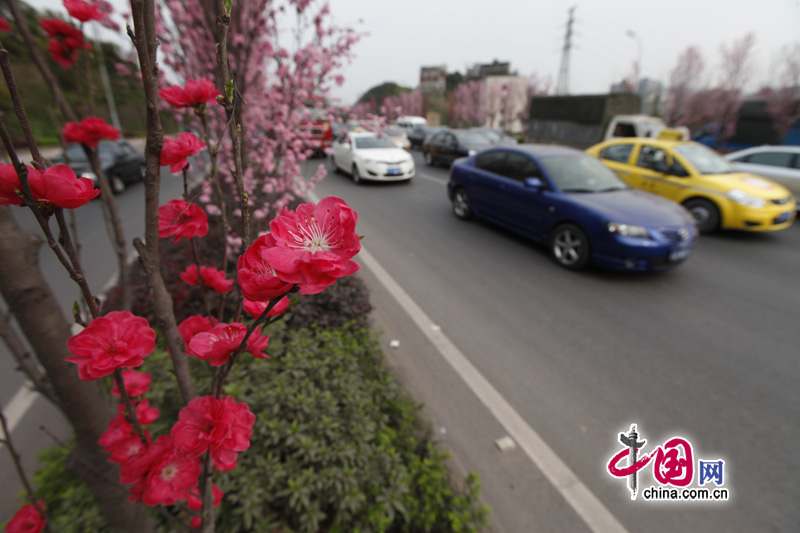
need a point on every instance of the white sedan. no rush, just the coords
(778, 163)
(367, 156)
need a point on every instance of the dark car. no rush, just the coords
(416, 135)
(571, 202)
(122, 163)
(497, 137)
(446, 146)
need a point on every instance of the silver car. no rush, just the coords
(778, 163)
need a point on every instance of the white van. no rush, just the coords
(408, 122)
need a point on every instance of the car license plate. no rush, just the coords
(783, 217)
(679, 254)
(394, 172)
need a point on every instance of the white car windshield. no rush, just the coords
(373, 142)
(705, 160)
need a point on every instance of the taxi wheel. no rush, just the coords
(569, 247)
(429, 159)
(705, 214)
(333, 166)
(356, 175)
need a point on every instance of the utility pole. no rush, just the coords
(563, 74)
(112, 105)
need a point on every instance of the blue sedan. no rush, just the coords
(575, 205)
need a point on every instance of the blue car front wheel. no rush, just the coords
(461, 204)
(569, 247)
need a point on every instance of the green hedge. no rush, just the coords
(337, 445)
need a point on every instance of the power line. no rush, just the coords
(563, 74)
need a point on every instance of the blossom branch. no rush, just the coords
(126, 400)
(50, 80)
(19, 110)
(15, 458)
(75, 272)
(223, 374)
(87, 65)
(144, 41)
(213, 150)
(207, 495)
(116, 235)
(229, 100)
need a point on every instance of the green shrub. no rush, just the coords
(71, 508)
(337, 445)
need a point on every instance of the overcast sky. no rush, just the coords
(405, 35)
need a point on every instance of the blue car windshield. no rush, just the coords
(580, 173)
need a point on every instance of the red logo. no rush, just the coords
(672, 462)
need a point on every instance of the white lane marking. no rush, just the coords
(19, 405)
(585, 504)
(428, 177)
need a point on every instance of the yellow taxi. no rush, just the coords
(716, 193)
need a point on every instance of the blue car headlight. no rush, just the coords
(627, 230)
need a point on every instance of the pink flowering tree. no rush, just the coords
(469, 108)
(783, 101)
(684, 82)
(736, 69)
(244, 91)
(283, 79)
(405, 103)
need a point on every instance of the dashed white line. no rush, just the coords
(19, 405)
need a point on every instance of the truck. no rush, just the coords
(584, 120)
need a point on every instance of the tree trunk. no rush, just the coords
(34, 305)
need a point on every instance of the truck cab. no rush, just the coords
(634, 126)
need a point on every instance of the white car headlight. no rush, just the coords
(472, 152)
(743, 198)
(627, 230)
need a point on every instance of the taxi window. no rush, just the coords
(620, 153)
(652, 158)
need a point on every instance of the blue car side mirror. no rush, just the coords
(534, 183)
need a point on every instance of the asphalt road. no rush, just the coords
(707, 352)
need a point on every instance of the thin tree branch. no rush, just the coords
(143, 36)
(25, 360)
(15, 458)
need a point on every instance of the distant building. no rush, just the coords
(495, 68)
(651, 92)
(432, 80)
(506, 98)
